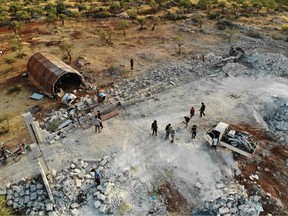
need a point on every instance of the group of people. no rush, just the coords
(171, 131)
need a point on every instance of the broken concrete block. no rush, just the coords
(100, 188)
(2, 191)
(75, 205)
(85, 165)
(223, 210)
(101, 197)
(103, 162)
(78, 183)
(33, 196)
(49, 207)
(26, 199)
(97, 204)
(16, 189)
(198, 185)
(33, 188)
(53, 172)
(9, 202)
(80, 164)
(220, 186)
(103, 208)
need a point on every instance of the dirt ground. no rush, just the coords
(135, 147)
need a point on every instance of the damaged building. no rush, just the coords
(49, 74)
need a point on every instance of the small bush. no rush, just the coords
(213, 16)
(3, 209)
(253, 34)
(284, 28)
(15, 89)
(224, 23)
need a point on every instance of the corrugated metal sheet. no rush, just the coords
(45, 69)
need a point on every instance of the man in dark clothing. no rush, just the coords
(192, 112)
(154, 128)
(97, 178)
(99, 115)
(131, 64)
(202, 109)
(167, 129)
(193, 131)
(187, 119)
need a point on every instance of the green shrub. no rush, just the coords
(213, 16)
(225, 23)
(284, 28)
(3, 209)
(253, 34)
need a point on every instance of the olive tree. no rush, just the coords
(67, 48)
(123, 24)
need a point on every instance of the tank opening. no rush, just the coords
(68, 82)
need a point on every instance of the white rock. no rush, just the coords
(85, 165)
(103, 162)
(101, 197)
(75, 212)
(75, 205)
(198, 185)
(27, 192)
(9, 202)
(8, 185)
(97, 204)
(220, 186)
(2, 191)
(77, 171)
(112, 179)
(72, 166)
(53, 172)
(100, 188)
(49, 207)
(238, 173)
(52, 213)
(80, 164)
(78, 183)
(103, 208)
(223, 210)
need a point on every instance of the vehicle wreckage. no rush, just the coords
(237, 141)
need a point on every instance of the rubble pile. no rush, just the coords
(30, 196)
(74, 190)
(234, 201)
(279, 120)
(57, 119)
(269, 63)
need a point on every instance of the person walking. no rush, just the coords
(202, 109)
(96, 121)
(101, 97)
(172, 131)
(193, 131)
(187, 119)
(154, 128)
(131, 63)
(99, 116)
(192, 112)
(96, 176)
(167, 129)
